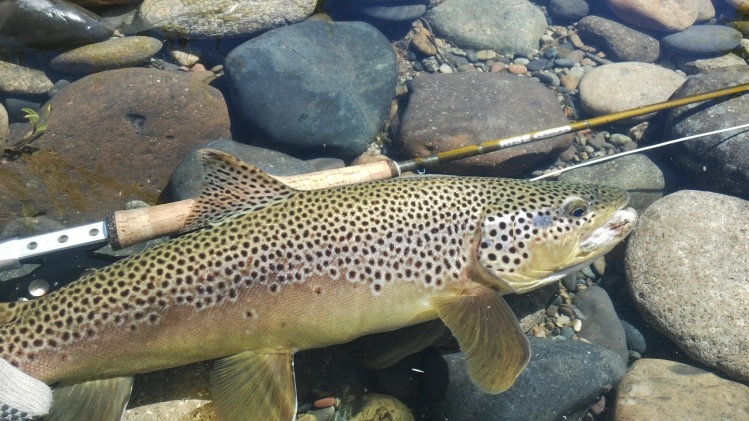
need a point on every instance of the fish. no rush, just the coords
(267, 270)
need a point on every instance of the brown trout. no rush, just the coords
(274, 270)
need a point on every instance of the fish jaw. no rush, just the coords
(611, 233)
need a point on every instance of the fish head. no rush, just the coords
(534, 233)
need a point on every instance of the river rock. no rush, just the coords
(48, 24)
(687, 263)
(622, 42)
(620, 86)
(450, 111)
(653, 388)
(316, 85)
(703, 40)
(476, 24)
(719, 162)
(112, 137)
(15, 79)
(187, 182)
(637, 174)
(221, 18)
(568, 10)
(659, 15)
(573, 372)
(706, 10)
(4, 131)
(111, 54)
(388, 10)
(601, 325)
(691, 65)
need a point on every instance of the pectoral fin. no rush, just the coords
(495, 348)
(254, 386)
(93, 400)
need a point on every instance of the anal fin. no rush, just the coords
(254, 386)
(103, 400)
(495, 348)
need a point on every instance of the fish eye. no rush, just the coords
(574, 206)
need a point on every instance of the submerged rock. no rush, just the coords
(687, 264)
(111, 54)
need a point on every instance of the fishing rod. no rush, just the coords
(127, 227)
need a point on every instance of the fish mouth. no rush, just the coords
(611, 232)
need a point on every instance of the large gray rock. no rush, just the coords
(620, 86)
(718, 162)
(636, 173)
(221, 18)
(561, 379)
(653, 388)
(455, 110)
(622, 42)
(505, 26)
(315, 85)
(688, 269)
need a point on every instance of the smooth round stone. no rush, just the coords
(15, 79)
(658, 15)
(568, 10)
(602, 325)
(445, 68)
(621, 86)
(622, 42)
(484, 55)
(476, 24)
(517, 69)
(221, 18)
(422, 44)
(703, 40)
(537, 64)
(700, 236)
(49, 24)
(563, 63)
(112, 54)
(334, 81)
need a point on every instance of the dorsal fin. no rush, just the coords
(232, 187)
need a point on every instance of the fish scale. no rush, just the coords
(276, 270)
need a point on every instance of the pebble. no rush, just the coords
(476, 25)
(422, 44)
(703, 40)
(701, 317)
(619, 139)
(568, 10)
(563, 63)
(324, 402)
(484, 55)
(517, 69)
(497, 67)
(445, 68)
(537, 65)
(115, 53)
(15, 79)
(221, 18)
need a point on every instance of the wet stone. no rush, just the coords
(575, 373)
(622, 42)
(112, 54)
(703, 40)
(601, 325)
(467, 120)
(55, 23)
(663, 15)
(15, 79)
(568, 10)
(349, 107)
